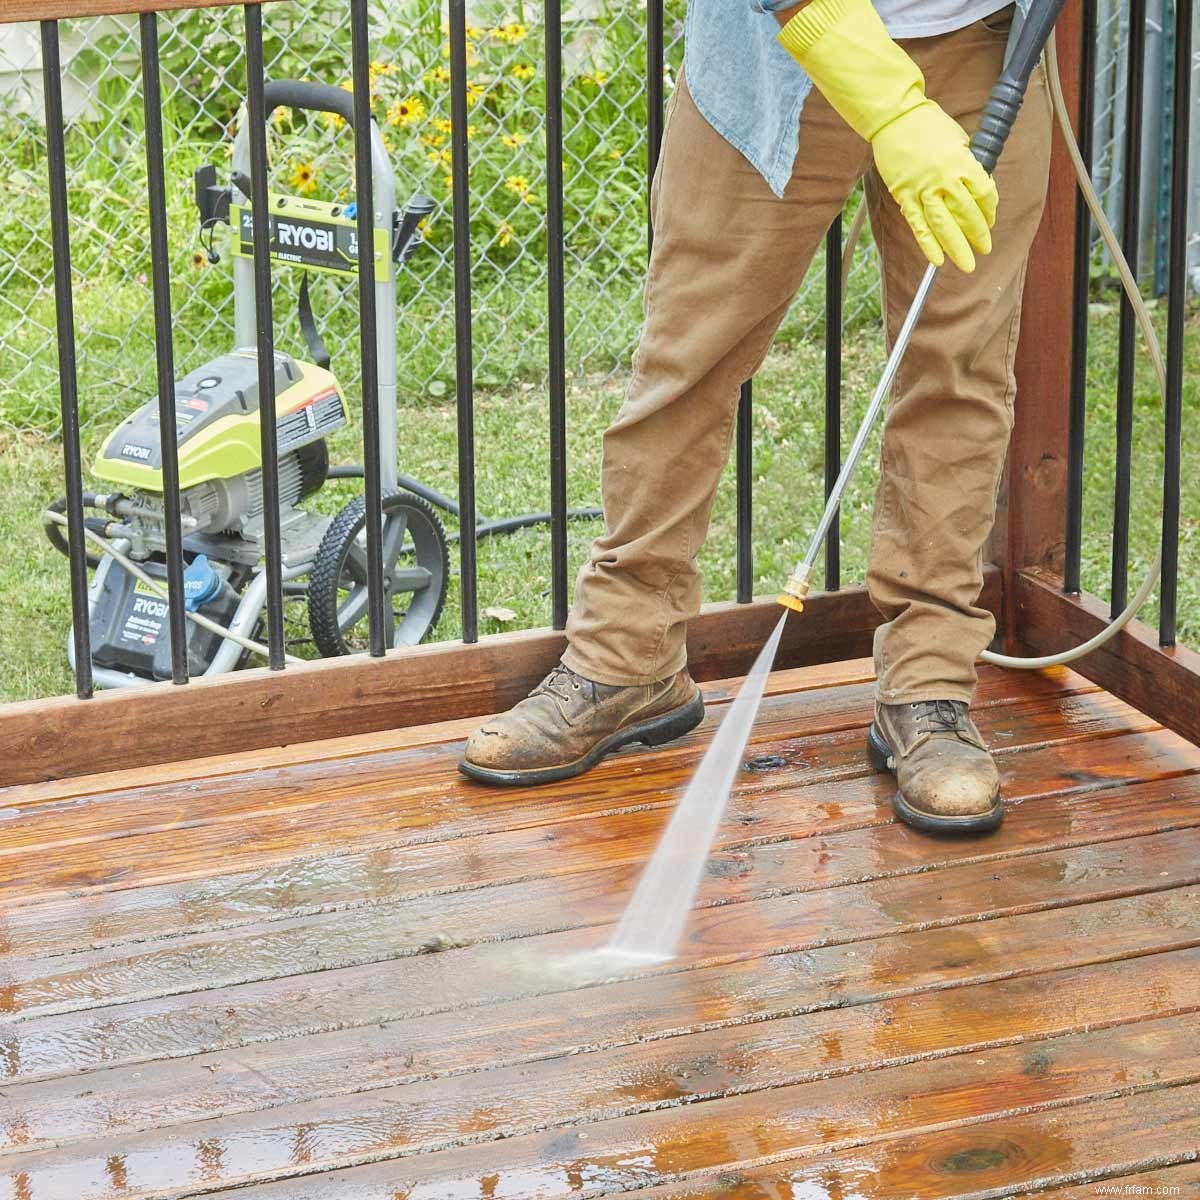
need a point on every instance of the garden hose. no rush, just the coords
(200, 619)
(1142, 315)
(798, 585)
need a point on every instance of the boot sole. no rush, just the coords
(654, 732)
(880, 754)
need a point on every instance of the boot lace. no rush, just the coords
(561, 682)
(938, 716)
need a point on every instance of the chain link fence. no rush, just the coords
(203, 78)
(605, 156)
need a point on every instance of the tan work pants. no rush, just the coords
(728, 258)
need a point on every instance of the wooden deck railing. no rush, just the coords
(1031, 548)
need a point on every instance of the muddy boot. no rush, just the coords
(567, 724)
(947, 780)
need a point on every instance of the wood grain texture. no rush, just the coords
(822, 1043)
(127, 839)
(54, 739)
(716, 691)
(1036, 480)
(1035, 1154)
(1164, 683)
(57, 10)
(345, 975)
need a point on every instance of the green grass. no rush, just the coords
(513, 453)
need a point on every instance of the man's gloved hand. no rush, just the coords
(922, 155)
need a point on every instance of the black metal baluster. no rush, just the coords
(68, 386)
(833, 395)
(164, 354)
(264, 312)
(1125, 337)
(1077, 416)
(556, 300)
(745, 494)
(381, 621)
(463, 357)
(655, 61)
(1176, 314)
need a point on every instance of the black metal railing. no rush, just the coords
(377, 602)
(175, 554)
(1127, 346)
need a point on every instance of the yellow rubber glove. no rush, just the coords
(921, 153)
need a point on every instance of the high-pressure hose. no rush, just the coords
(798, 585)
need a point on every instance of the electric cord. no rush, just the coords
(137, 572)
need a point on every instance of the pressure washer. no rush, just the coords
(217, 428)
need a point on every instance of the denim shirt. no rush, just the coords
(747, 86)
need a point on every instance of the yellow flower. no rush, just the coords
(406, 111)
(474, 92)
(448, 180)
(382, 68)
(474, 33)
(615, 155)
(518, 184)
(428, 139)
(200, 261)
(304, 177)
(513, 140)
(523, 71)
(442, 126)
(504, 233)
(437, 75)
(472, 57)
(513, 32)
(388, 144)
(439, 157)
(598, 80)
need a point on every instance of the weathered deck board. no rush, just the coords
(421, 797)
(214, 981)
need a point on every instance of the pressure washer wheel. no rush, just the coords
(416, 566)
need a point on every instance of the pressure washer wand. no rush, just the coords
(995, 125)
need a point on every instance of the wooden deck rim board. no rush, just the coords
(51, 739)
(1163, 683)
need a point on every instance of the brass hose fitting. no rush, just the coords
(795, 591)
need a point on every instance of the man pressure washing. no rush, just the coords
(768, 132)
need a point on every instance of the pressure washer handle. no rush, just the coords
(1004, 103)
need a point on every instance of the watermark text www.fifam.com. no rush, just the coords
(1136, 1189)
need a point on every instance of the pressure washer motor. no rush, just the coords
(220, 498)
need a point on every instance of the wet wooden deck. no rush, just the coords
(325, 972)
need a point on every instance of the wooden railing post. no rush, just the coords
(1030, 530)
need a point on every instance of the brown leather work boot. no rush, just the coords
(567, 724)
(947, 780)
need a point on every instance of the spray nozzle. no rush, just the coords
(795, 591)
